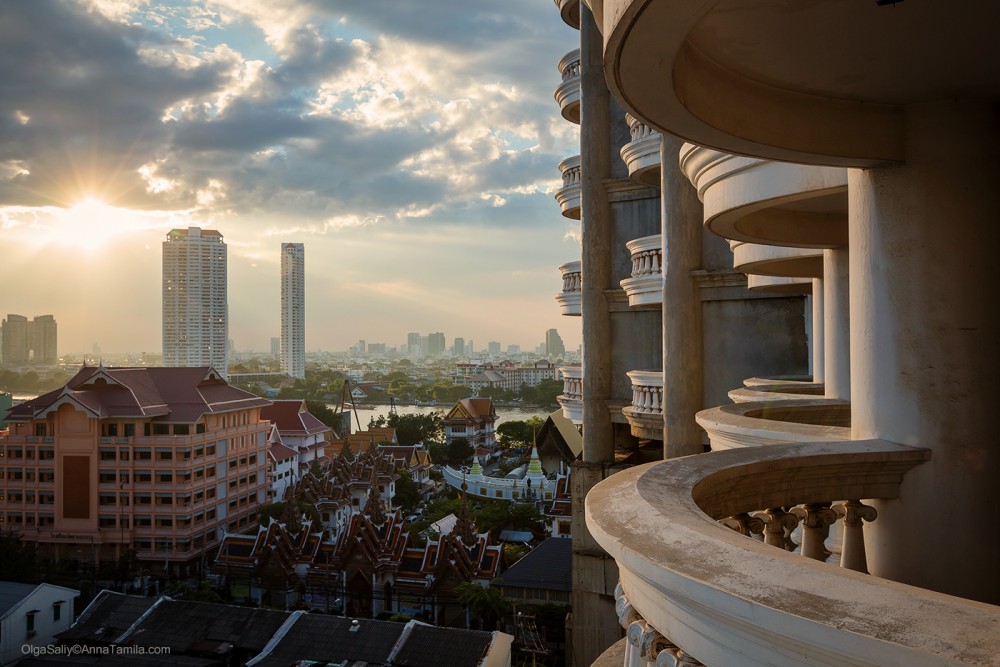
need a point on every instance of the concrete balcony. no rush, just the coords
(642, 154)
(696, 588)
(645, 287)
(568, 92)
(763, 423)
(568, 195)
(571, 400)
(645, 415)
(569, 10)
(571, 298)
(777, 261)
(777, 391)
(771, 203)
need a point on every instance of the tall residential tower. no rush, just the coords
(293, 309)
(195, 307)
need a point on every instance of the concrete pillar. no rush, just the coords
(818, 351)
(598, 238)
(837, 323)
(682, 315)
(924, 345)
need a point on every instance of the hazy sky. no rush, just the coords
(410, 144)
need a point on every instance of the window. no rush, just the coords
(143, 477)
(199, 428)
(129, 430)
(163, 454)
(161, 429)
(107, 476)
(107, 453)
(144, 454)
(30, 618)
(46, 454)
(41, 430)
(182, 429)
(111, 429)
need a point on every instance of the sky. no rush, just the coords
(411, 145)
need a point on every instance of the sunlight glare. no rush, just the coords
(91, 225)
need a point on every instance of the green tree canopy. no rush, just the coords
(325, 414)
(504, 515)
(413, 429)
(487, 603)
(407, 492)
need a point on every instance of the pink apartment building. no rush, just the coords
(162, 460)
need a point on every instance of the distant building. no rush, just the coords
(544, 576)
(293, 309)
(160, 460)
(31, 615)
(413, 345)
(513, 349)
(28, 341)
(554, 346)
(376, 348)
(493, 348)
(458, 348)
(293, 428)
(195, 306)
(435, 343)
(472, 419)
(276, 346)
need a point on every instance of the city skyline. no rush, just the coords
(391, 142)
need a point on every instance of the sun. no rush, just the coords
(91, 225)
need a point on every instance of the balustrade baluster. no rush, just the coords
(852, 553)
(816, 521)
(744, 524)
(778, 527)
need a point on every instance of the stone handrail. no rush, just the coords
(647, 255)
(572, 276)
(572, 381)
(638, 129)
(570, 169)
(726, 599)
(569, 66)
(647, 391)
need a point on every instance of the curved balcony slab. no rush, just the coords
(726, 599)
(759, 423)
(571, 298)
(821, 83)
(777, 379)
(645, 287)
(777, 392)
(779, 261)
(568, 195)
(773, 203)
(568, 92)
(642, 154)
(569, 10)
(773, 285)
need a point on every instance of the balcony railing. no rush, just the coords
(645, 414)
(642, 154)
(568, 195)
(568, 92)
(571, 399)
(571, 298)
(709, 595)
(645, 287)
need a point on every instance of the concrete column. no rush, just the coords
(837, 323)
(682, 317)
(598, 238)
(924, 345)
(818, 351)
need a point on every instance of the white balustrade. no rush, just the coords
(644, 287)
(571, 298)
(642, 154)
(647, 391)
(571, 399)
(568, 195)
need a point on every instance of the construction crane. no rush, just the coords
(526, 636)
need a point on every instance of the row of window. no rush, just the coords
(13, 497)
(28, 453)
(42, 475)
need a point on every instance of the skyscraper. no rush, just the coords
(435, 343)
(293, 309)
(554, 344)
(195, 306)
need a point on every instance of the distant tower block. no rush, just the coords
(195, 299)
(293, 309)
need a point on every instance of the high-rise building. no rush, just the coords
(841, 385)
(458, 348)
(275, 346)
(493, 348)
(195, 305)
(28, 341)
(293, 309)
(554, 346)
(435, 343)
(413, 345)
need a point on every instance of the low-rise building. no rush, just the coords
(473, 420)
(159, 460)
(31, 615)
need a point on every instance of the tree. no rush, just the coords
(519, 433)
(412, 429)
(275, 511)
(407, 492)
(544, 393)
(504, 515)
(459, 451)
(325, 414)
(487, 603)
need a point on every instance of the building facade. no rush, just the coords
(159, 460)
(24, 341)
(831, 166)
(195, 305)
(554, 346)
(293, 309)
